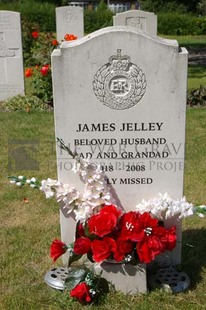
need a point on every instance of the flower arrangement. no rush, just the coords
(104, 231)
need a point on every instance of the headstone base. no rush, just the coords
(126, 278)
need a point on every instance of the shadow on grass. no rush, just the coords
(194, 254)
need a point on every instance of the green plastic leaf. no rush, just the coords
(74, 258)
(89, 256)
(75, 276)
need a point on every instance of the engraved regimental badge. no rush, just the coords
(119, 84)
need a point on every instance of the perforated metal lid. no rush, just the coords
(56, 277)
(169, 279)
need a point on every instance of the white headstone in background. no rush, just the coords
(141, 20)
(124, 108)
(69, 20)
(11, 59)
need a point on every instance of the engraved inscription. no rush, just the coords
(6, 22)
(137, 22)
(119, 84)
(70, 18)
(4, 51)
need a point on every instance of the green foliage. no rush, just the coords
(162, 6)
(24, 103)
(181, 24)
(39, 55)
(201, 8)
(197, 96)
(41, 49)
(94, 20)
(35, 12)
(42, 84)
(181, 6)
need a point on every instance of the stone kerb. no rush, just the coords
(125, 109)
(11, 58)
(69, 20)
(145, 21)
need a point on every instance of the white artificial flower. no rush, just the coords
(164, 207)
(32, 185)
(67, 194)
(12, 182)
(201, 215)
(18, 183)
(33, 179)
(46, 187)
(28, 181)
(83, 212)
(20, 177)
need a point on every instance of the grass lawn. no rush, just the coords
(27, 228)
(188, 41)
(196, 76)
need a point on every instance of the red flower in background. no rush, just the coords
(81, 292)
(44, 70)
(55, 42)
(28, 72)
(82, 245)
(69, 37)
(35, 34)
(57, 249)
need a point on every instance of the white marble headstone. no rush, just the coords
(124, 108)
(69, 20)
(11, 59)
(141, 20)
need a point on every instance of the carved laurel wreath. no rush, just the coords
(138, 86)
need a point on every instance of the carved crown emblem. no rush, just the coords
(119, 84)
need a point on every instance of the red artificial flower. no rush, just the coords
(81, 292)
(102, 224)
(69, 37)
(35, 34)
(148, 248)
(55, 42)
(111, 209)
(57, 248)
(28, 72)
(129, 226)
(103, 249)
(80, 230)
(153, 239)
(170, 238)
(82, 245)
(44, 70)
(124, 247)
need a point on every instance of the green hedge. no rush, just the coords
(94, 20)
(42, 14)
(181, 24)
